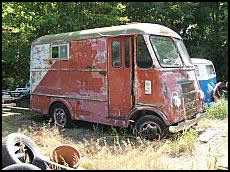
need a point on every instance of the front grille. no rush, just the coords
(189, 94)
(190, 104)
(187, 87)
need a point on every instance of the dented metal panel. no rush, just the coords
(39, 64)
(81, 78)
(166, 85)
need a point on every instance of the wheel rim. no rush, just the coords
(23, 152)
(150, 131)
(59, 117)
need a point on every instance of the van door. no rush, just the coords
(120, 76)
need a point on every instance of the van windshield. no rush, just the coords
(169, 51)
(166, 51)
(183, 52)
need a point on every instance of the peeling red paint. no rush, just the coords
(93, 90)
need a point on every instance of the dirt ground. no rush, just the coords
(214, 148)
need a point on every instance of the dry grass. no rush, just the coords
(120, 152)
(104, 148)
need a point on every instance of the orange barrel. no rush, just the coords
(66, 155)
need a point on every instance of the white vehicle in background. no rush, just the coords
(6, 96)
(206, 75)
(24, 91)
(20, 92)
(17, 94)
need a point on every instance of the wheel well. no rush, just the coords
(53, 104)
(137, 115)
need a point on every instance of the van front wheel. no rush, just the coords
(61, 116)
(150, 127)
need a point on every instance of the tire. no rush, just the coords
(219, 90)
(17, 149)
(61, 116)
(150, 127)
(21, 167)
(216, 94)
(44, 163)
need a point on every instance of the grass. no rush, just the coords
(218, 110)
(108, 148)
(184, 142)
(21, 119)
(117, 153)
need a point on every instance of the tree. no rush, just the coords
(23, 22)
(202, 25)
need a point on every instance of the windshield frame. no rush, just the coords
(157, 55)
(177, 50)
(186, 60)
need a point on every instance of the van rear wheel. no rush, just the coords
(150, 127)
(61, 116)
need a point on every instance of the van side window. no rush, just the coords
(143, 58)
(116, 54)
(210, 70)
(55, 52)
(197, 70)
(60, 51)
(127, 56)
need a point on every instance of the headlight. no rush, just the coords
(201, 94)
(176, 101)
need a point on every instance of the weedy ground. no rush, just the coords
(105, 147)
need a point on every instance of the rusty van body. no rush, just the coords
(129, 74)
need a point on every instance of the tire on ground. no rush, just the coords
(23, 166)
(44, 163)
(13, 144)
(150, 124)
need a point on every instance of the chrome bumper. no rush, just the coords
(186, 124)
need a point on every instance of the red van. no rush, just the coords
(129, 74)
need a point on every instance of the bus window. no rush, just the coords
(116, 54)
(210, 70)
(143, 57)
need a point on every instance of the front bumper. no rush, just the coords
(186, 124)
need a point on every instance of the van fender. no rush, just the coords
(153, 109)
(65, 102)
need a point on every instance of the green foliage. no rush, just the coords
(24, 22)
(184, 142)
(202, 25)
(218, 110)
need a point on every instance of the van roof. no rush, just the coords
(128, 29)
(200, 61)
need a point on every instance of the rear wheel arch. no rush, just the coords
(64, 102)
(60, 115)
